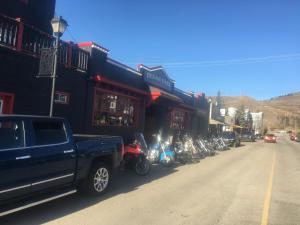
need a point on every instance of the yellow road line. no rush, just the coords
(267, 202)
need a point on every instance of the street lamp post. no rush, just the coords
(59, 26)
(210, 108)
(210, 113)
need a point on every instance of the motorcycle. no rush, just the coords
(135, 156)
(204, 147)
(161, 153)
(185, 150)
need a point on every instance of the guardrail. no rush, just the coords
(16, 35)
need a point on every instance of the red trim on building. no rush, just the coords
(100, 78)
(20, 35)
(156, 93)
(8, 102)
(85, 44)
(24, 1)
(90, 43)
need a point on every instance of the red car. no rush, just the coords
(270, 138)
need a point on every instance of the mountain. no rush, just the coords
(281, 112)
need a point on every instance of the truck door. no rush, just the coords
(53, 155)
(15, 160)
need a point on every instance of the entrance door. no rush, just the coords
(156, 121)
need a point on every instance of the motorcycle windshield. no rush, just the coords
(139, 137)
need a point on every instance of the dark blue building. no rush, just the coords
(97, 94)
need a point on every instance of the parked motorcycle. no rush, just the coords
(161, 152)
(219, 144)
(205, 147)
(135, 156)
(185, 150)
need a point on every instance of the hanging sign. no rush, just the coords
(157, 77)
(46, 62)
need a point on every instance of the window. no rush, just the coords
(177, 119)
(47, 133)
(61, 97)
(11, 135)
(111, 109)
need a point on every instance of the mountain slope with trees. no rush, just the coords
(281, 112)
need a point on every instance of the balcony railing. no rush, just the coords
(8, 31)
(18, 36)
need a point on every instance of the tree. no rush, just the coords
(241, 117)
(219, 104)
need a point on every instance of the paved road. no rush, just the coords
(254, 184)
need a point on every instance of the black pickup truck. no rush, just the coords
(41, 160)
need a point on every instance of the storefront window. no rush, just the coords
(111, 109)
(177, 119)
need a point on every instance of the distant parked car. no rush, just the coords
(248, 136)
(231, 138)
(297, 137)
(292, 136)
(259, 136)
(270, 138)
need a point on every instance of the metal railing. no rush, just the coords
(34, 40)
(79, 58)
(18, 36)
(8, 31)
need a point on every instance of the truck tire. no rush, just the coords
(98, 179)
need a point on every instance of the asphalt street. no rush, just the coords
(256, 184)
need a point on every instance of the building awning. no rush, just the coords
(158, 93)
(215, 122)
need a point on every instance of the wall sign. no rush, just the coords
(46, 62)
(157, 77)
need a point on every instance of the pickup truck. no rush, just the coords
(41, 160)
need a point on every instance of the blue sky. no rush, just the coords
(239, 47)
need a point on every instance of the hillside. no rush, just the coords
(279, 112)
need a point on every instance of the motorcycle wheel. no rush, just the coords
(142, 167)
(181, 159)
(167, 161)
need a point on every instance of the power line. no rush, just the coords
(274, 58)
(72, 36)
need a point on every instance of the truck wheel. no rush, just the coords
(98, 179)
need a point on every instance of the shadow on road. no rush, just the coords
(122, 182)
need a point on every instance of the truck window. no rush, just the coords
(47, 133)
(11, 135)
